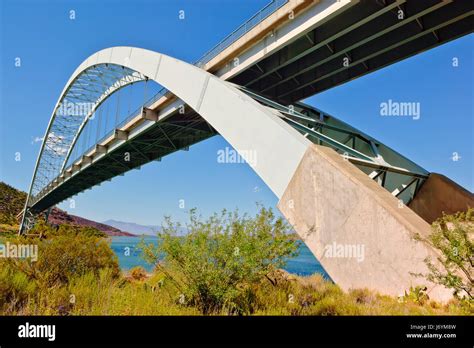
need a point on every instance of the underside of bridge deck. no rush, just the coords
(178, 132)
(366, 37)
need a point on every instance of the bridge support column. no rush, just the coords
(361, 234)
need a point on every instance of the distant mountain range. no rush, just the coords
(148, 230)
(132, 227)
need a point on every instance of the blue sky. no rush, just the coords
(51, 46)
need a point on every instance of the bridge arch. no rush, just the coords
(242, 121)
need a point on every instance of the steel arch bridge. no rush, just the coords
(244, 112)
(351, 174)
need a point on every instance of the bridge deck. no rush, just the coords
(327, 43)
(144, 141)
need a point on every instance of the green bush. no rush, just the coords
(63, 257)
(15, 289)
(63, 254)
(217, 263)
(138, 273)
(416, 294)
(453, 236)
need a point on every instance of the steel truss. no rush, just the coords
(76, 106)
(363, 151)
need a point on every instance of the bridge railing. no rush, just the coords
(240, 31)
(119, 125)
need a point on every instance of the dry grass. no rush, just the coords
(105, 294)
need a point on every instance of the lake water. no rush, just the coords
(304, 264)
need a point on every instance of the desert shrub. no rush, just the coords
(416, 294)
(61, 257)
(217, 263)
(15, 289)
(452, 236)
(65, 252)
(138, 273)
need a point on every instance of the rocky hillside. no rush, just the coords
(12, 201)
(59, 216)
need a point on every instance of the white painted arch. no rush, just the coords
(243, 122)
